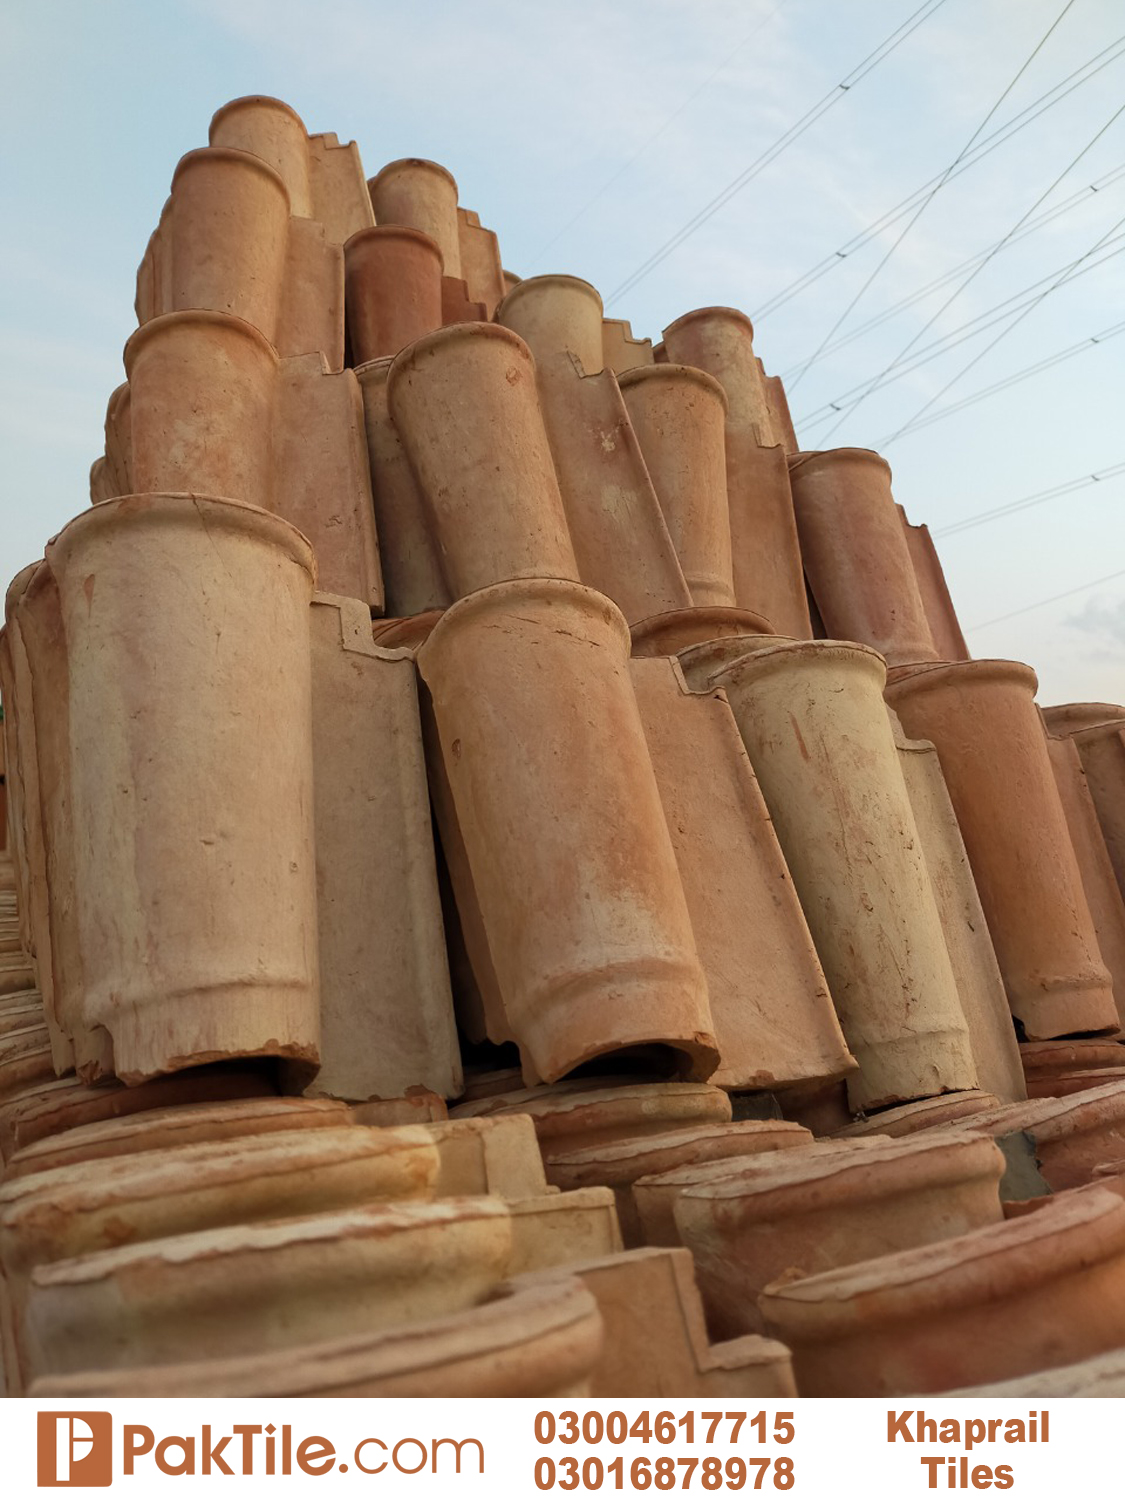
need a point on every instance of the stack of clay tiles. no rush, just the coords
(514, 884)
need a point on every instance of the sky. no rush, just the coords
(623, 142)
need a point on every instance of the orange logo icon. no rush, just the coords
(75, 1448)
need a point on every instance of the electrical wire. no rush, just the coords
(925, 203)
(1025, 301)
(1020, 375)
(1054, 599)
(1049, 216)
(980, 518)
(1064, 277)
(807, 120)
(991, 143)
(1062, 281)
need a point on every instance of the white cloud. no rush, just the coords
(1102, 619)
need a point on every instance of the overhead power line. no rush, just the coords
(926, 201)
(1054, 599)
(1002, 385)
(1027, 299)
(1062, 280)
(1049, 216)
(1000, 512)
(871, 61)
(1089, 69)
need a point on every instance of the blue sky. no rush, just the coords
(587, 137)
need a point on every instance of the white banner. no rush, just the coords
(469, 1449)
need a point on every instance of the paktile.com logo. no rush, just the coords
(75, 1448)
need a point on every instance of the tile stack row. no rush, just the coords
(449, 698)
